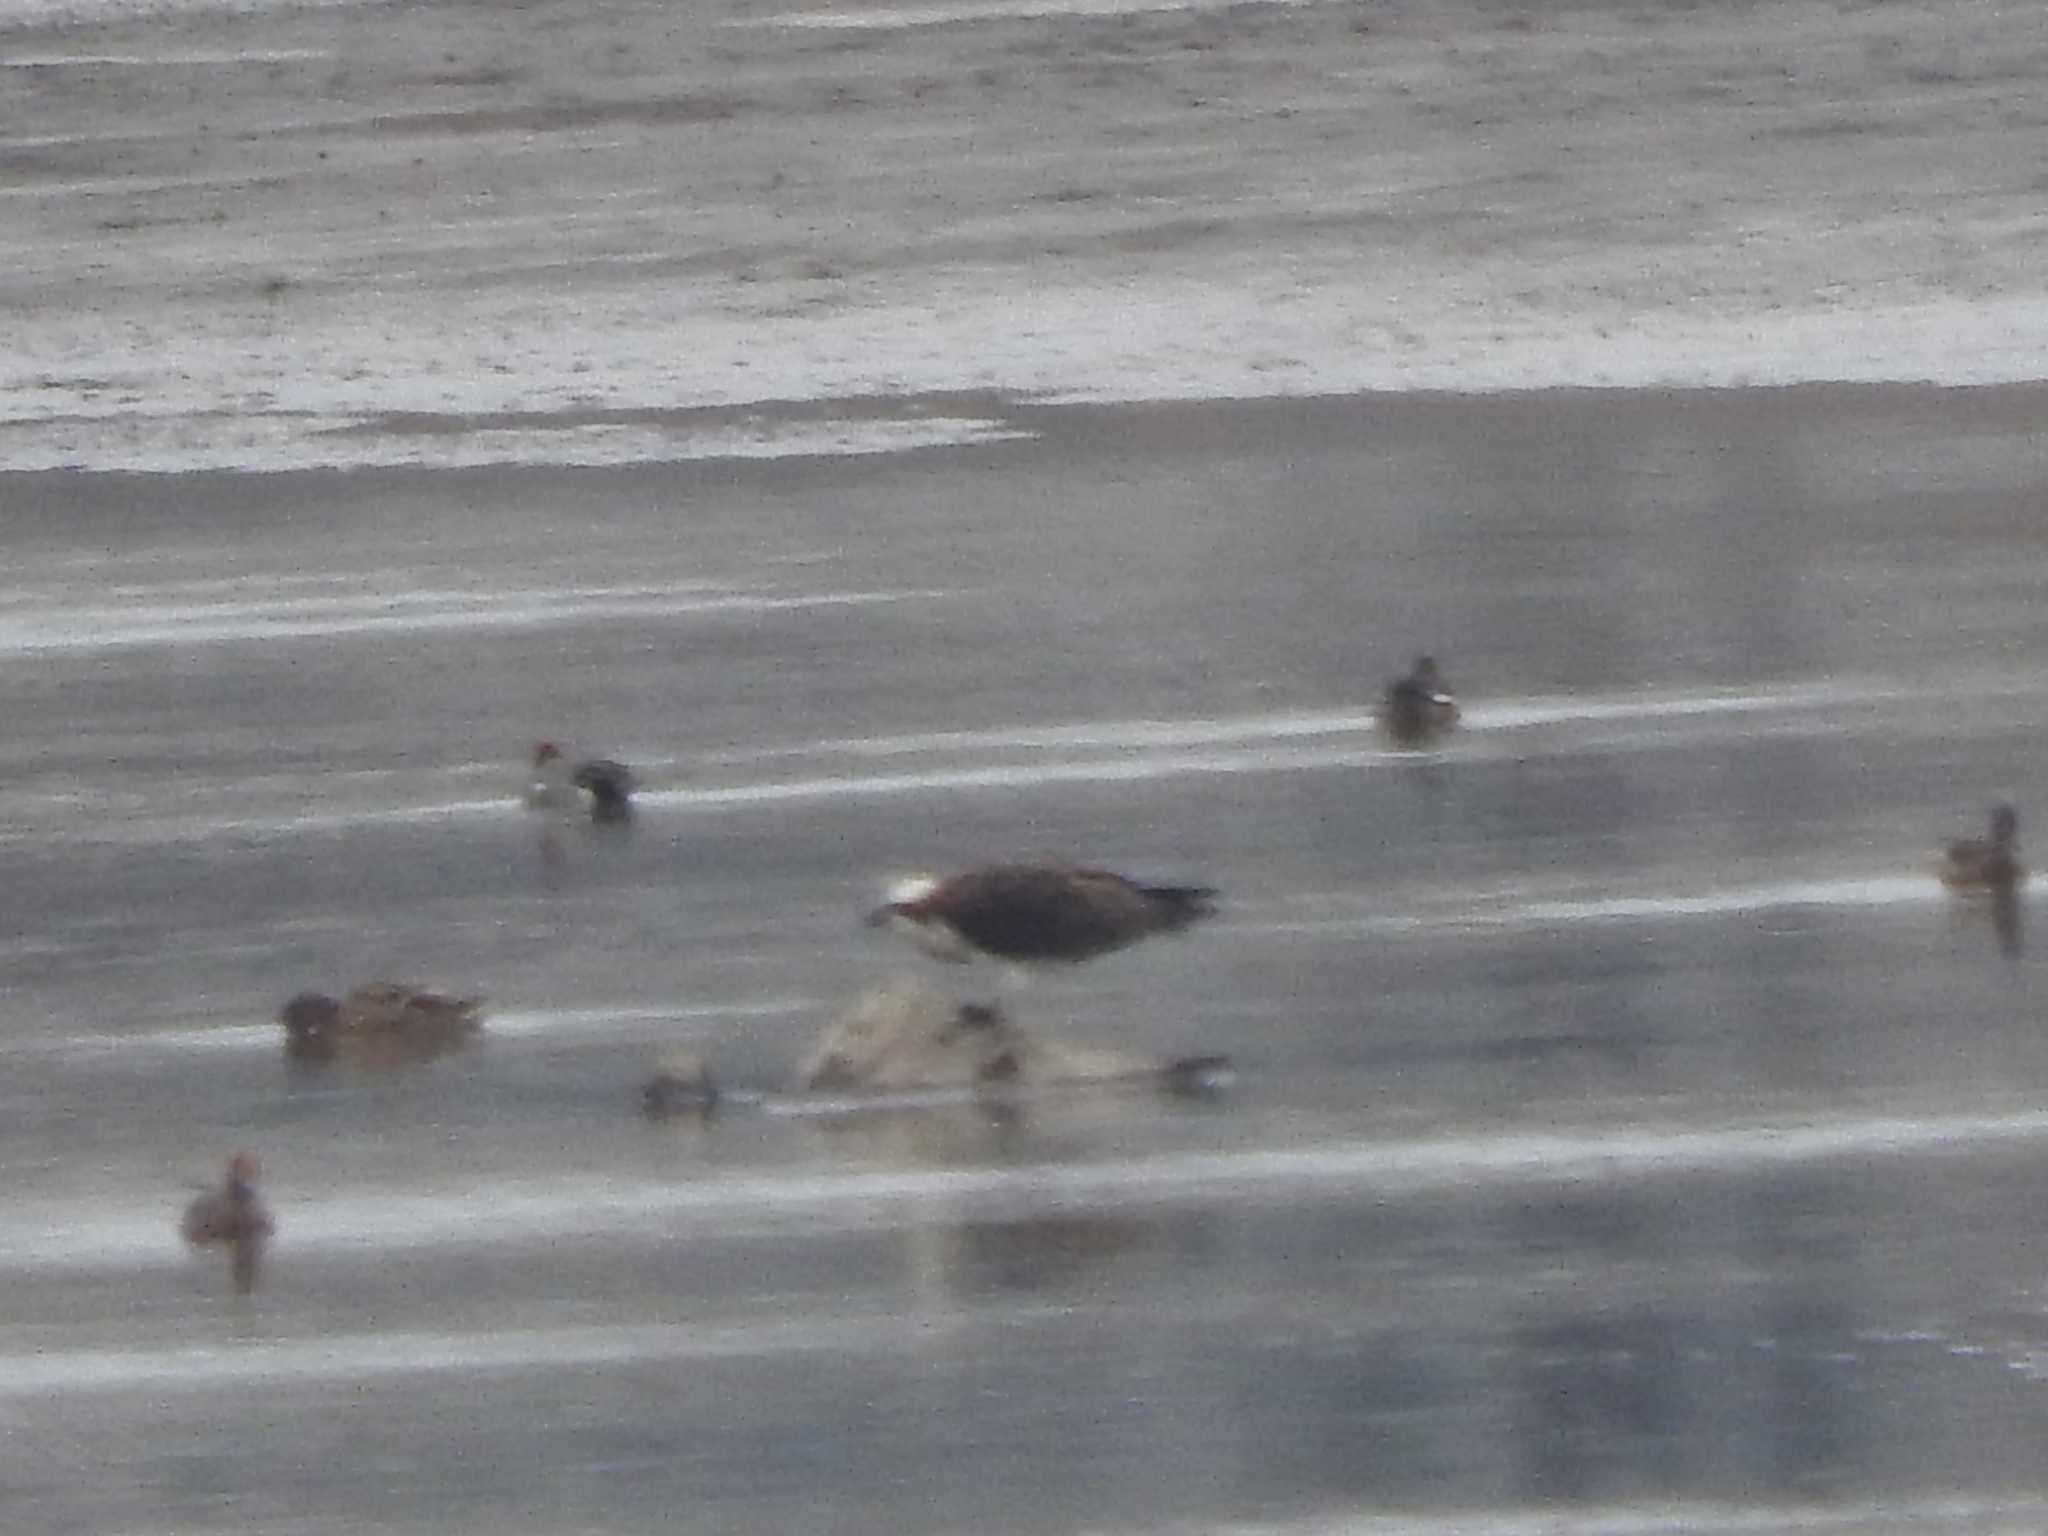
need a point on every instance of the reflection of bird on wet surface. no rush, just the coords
(909, 1035)
(598, 784)
(232, 1215)
(1989, 867)
(379, 1023)
(1990, 863)
(1417, 708)
(1027, 914)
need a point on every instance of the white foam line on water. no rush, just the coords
(1222, 326)
(515, 1024)
(1564, 709)
(1958, 1516)
(507, 1212)
(170, 57)
(1093, 733)
(76, 12)
(893, 18)
(1144, 751)
(356, 1356)
(1850, 891)
(1882, 891)
(1138, 737)
(74, 630)
(1136, 764)
(299, 441)
(1114, 770)
(1123, 769)
(538, 1023)
(65, 583)
(1503, 714)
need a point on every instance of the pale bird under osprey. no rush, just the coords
(1026, 914)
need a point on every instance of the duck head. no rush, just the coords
(312, 1025)
(904, 898)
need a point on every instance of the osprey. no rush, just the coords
(560, 785)
(1025, 914)
(232, 1215)
(1417, 708)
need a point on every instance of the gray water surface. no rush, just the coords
(1627, 1119)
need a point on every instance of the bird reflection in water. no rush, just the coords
(1988, 870)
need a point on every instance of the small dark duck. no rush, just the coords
(597, 784)
(379, 1023)
(1417, 708)
(1988, 864)
(235, 1217)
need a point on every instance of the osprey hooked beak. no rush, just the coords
(900, 894)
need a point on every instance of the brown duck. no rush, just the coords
(379, 1023)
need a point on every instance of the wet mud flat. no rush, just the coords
(453, 234)
(1627, 1119)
